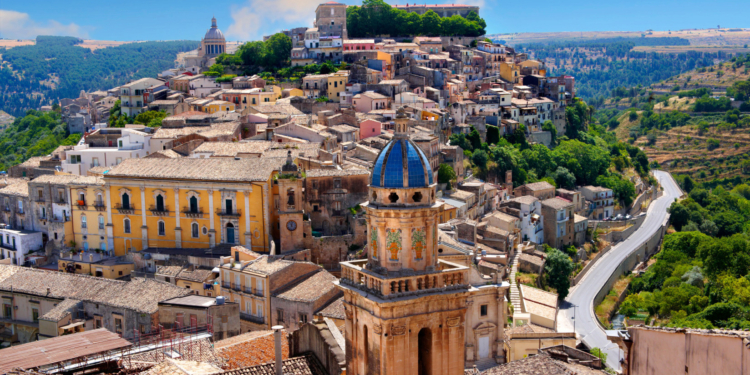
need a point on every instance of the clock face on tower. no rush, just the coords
(291, 225)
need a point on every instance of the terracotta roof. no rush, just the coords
(250, 349)
(168, 270)
(310, 289)
(267, 265)
(528, 328)
(197, 275)
(164, 154)
(179, 367)
(525, 199)
(215, 130)
(334, 310)
(33, 162)
(209, 169)
(286, 109)
(539, 302)
(304, 365)
(58, 312)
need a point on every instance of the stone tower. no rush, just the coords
(290, 206)
(405, 309)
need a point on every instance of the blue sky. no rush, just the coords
(250, 19)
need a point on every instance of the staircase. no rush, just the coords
(515, 293)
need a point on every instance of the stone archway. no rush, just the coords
(424, 347)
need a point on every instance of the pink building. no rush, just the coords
(369, 128)
(360, 45)
(369, 101)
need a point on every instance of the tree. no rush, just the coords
(493, 134)
(558, 269)
(475, 139)
(446, 174)
(549, 126)
(688, 184)
(564, 178)
(431, 23)
(480, 158)
(252, 53)
(678, 215)
(278, 48)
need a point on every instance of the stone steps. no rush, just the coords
(515, 294)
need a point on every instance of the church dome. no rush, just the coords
(401, 164)
(214, 32)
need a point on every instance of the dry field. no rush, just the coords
(10, 43)
(685, 145)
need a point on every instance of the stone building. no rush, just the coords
(329, 193)
(559, 221)
(442, 10)
(540, 190)
(330, 19)
(199, 311)
(405, 308)
(213, 43)
(300, 302)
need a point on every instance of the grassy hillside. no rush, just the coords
(57, 67)
(35, 134)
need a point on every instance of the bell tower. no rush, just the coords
(290, 206)
(405, 308)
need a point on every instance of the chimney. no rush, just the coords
(80, 255)
(277, 345)
(48, 291)
(91, 258)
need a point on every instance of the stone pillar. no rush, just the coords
(248, 232)
(144, 227)
(500, 334)
(211, 231)
(178, 228)
(470, 344)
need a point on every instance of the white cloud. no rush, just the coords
(17, 25)
(247, 23)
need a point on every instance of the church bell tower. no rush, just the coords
(405, 309)
(290, 206)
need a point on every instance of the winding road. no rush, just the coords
(580, 300)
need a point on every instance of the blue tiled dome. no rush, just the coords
(401, 164)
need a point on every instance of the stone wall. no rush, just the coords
(329, 251)
(544, 138)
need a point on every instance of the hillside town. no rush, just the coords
(326, 225)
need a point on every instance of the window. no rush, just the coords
(126, 225)
(162, 230)
(118, 325)
(315, 184)
(101, 222)
(97, 322)
(337, 183)
(280, 315)
(160, 202)
(35, 315)
(95, 162)
(83, 221)
(41, 194)
(194, 230)
(194, 205)
(302, 318)
(20, 207)
(483, 310)
(7, 311)
(205, 231)
(125, 201)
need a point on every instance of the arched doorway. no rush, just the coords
(424, 361)
(230, 233)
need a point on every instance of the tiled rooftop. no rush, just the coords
(541, 185)
(334, 310)
(230, 149)
(310, 289)
(141, 295)
(250, 349)
(209, 169)
(541, 364)
(303, 365)
(557, 203)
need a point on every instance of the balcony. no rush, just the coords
(252, 318)
(230, 213)
(99, 206)
(254, 292)
(449, 276)
(81, 204)
(236, 287)
(126, 210)
(93, 165)
(159, 211)
(192, 213)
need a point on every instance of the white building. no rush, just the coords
(530, 213)
(132, 101)
(202, 86)
(601, 202)
(15, 244)
(133, 143)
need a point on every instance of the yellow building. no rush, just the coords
(294, 92)
(89, 206)
(447, 212)
(189, 203)
(94, 263)
(218, 105)
(509, 71)
(337, 84)
(260, 97)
